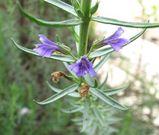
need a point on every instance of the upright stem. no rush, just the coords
(84, 27)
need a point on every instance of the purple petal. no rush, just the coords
(82, 67)
(45, 40)
(74, 67)
(43, 52)
(116, 35)
(92, 72)
(46, 48)
(118, 43)
(89, 67)
(77, 69)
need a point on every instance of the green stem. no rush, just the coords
(84, 27)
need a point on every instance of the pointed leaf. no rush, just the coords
(64, 6)
(73, 94)
(89, 80)
(105, 50)
(59, 57)
(114, 91)
(65, 23)
(104, 82)
(98, 116)
(101, 62)
(59, 95)
(123, 23)
(107, 99)
(73, 109)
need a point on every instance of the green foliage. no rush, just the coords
(18, 85)
(96, 118)
(107, 99)
(56, 24)
(64, 58)
(134, 125)
(123, 23)
(58, 3)
(59, 95)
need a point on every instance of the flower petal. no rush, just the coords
(116, 35)
(92, 72)
(46, 48)
(82, 67)
(89, 67)
(43, 52)
(45, 40)
(118, 43)
(74, 67)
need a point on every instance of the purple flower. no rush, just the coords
(82, 67)
(46, 47)
(115, 41)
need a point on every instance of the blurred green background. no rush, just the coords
(23, 78)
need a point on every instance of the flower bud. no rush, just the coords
(84, 89)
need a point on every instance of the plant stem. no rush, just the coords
(84, 27)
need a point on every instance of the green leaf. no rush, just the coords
(73, 94)
(59, 95)
(104, 82)
(101, 62)
(105, 50)
(64, 6)
(114, 91)
(123, 23)
(65, 23)
(89, 80)
(73, 109)
(95, 8)
(108, 100)
(75, 4)
(60, 57)
(98, 116)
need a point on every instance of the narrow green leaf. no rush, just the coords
(60, 57)
(64, 6)
(101, 62)
(89, 80)
(75, 4)
(123, 23)
(73, 94)
(104, 82)
(73, 109)
(114, 91)
(95, 8)
(105, 50)
(107, 99)
(65, 23)
(98, 116)
(59, 95)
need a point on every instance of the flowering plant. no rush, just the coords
(83, 70)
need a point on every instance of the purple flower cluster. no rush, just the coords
(82, 66)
